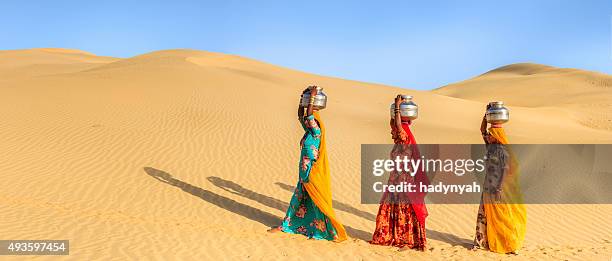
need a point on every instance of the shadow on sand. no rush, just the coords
(251, 213)
(271, 220)
(237, 189)
(431, 234)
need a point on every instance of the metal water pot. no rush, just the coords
(497, 113)
(320, 100)
(408, 109)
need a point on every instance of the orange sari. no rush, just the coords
(504, 220)
(319, 185)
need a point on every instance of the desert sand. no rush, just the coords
(183, 154)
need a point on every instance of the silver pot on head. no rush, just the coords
(320, 100)
(497, 113)
(408, 109)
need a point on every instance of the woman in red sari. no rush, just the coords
(401, 216)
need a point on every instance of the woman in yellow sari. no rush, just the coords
(310, 211)
(502, 218)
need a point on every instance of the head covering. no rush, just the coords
(499, 134)
(319, 184)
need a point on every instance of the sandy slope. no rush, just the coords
(586, 97)
(189, 154)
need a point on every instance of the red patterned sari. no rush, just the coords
(401, 216)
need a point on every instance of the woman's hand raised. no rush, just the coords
(398, 100)
(313, 90)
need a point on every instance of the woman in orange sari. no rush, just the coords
(401, 216)
(502, 218)
(310, 211)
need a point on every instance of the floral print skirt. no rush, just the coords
(397, 225)
(304, 217)
(480, 240)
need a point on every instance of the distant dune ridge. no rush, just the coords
(191, 154)
(583, 95)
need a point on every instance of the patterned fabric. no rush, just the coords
(480, 240)
(399, 136)
(397, 223)
(303, 216)
(496, 166)
(497, 159)
(501, 221)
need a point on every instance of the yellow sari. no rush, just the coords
(319, 185)
(506, 222)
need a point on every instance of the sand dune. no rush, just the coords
(586, 97)
(189, 154)
(46, 61)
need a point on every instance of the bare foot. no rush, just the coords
(402, 249)
(274, 230)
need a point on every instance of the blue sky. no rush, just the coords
(412, 44)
